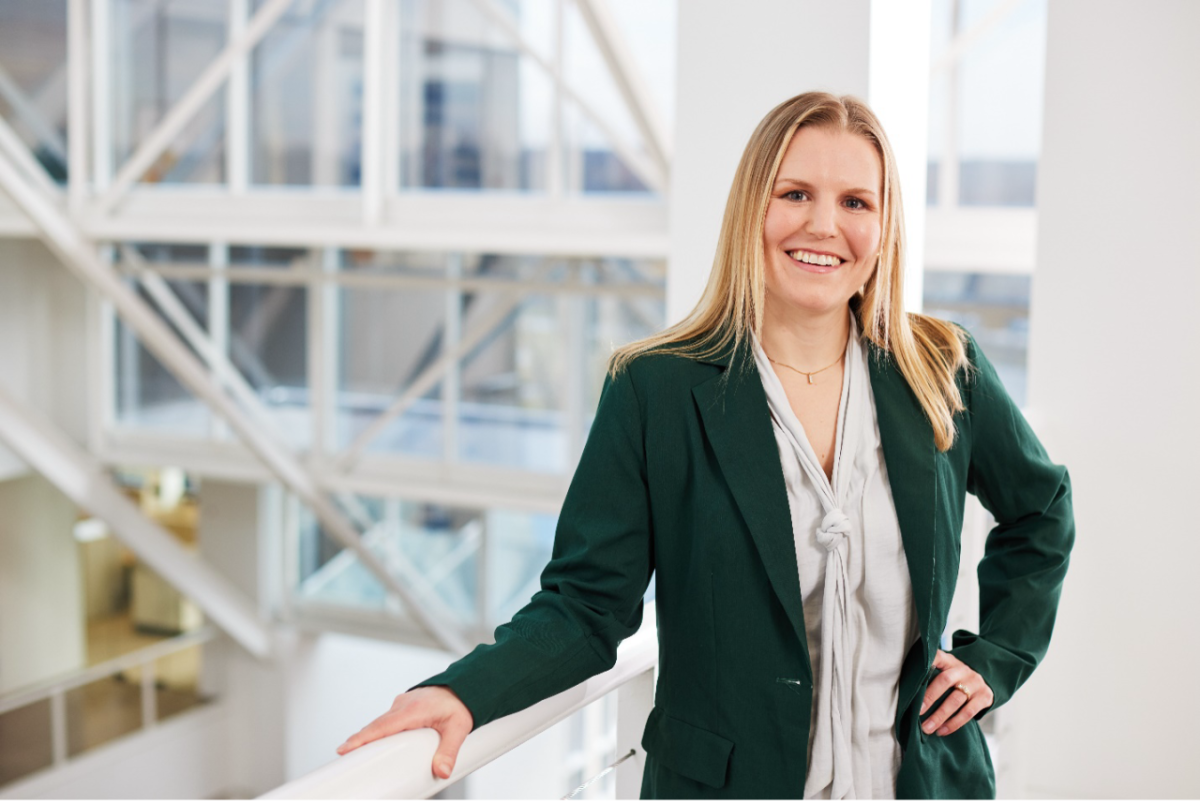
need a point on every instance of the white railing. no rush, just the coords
(56, 689)
(399, 767)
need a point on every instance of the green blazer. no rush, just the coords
(681, 476)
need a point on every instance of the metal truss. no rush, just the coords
(79, 254)
(106, 203)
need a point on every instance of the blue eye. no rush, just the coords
(794, 195)
(855, 203)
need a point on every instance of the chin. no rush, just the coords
(806, 301)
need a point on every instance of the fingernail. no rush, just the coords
(942, 732)
(927, 728)
(344, 746)
(444, 770)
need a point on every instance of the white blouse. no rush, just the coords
(854, 581)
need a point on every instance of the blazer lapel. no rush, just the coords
(737, 421)
(909, 453)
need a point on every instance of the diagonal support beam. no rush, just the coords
(170, 305)
(32, 117)
(77, 475)
(79, 255)
(623, 67)
(12, 147)
(652, 172)
(192, 101)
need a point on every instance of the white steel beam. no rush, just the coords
(237, 105)
(84, 481)
(625, 72)
(101, 86)
(653, 173)
(270, 276)
(12, 147)
(373, 114)
(77, 104)
(555, 178)
(173, 123)
(947, 196)
(78, 254)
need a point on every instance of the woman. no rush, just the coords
(792, 460)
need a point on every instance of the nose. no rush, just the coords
(822, 219)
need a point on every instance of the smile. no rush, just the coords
(811, 260)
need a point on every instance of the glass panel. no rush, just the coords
(33, 78)
(1000, 89)
(995, 309)
(431, 549)
(268, 344)
(177, 682)
(102, 711)
(474, 112)
(593, 163)
(439, 546)
(25, 744)
(387, 339)
(147, 394)
(519, 545)
(512, 409)
(649, 28)
(159, 49)
(612, 322)
(306, 109)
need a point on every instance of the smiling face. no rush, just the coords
(823, 227)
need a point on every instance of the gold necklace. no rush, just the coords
(808, 374)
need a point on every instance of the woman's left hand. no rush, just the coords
(959, 707)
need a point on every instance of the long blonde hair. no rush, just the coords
(927, 351)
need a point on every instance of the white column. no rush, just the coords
(1113, 361)
(732, 70)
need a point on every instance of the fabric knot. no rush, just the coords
(834, 528)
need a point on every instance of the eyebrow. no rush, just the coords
(805, 185)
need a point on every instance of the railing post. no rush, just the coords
(58, 726)
(635, 698)
(149, 698)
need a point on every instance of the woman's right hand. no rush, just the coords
(425, 707)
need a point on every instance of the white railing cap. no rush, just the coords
(401, 766)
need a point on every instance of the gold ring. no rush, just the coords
(964, 691)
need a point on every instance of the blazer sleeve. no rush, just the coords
(1026, 554)
(591, 590)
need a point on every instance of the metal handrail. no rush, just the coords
(129, 661)
(400, 766)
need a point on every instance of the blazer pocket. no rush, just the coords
(686, 749)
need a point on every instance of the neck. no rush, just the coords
(807, 342)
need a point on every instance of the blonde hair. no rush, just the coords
(927, 351)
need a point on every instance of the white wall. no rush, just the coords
(1114, 361)
(181, 758)
(737, 61)
(43, 326)
(41, 597)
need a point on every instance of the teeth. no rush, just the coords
(814, 259)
